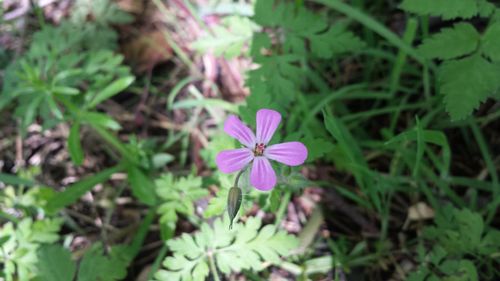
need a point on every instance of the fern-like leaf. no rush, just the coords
(177, 196)
(227, 40)
(337, 40)
(450, 43)
(245, 247)
(447, 9)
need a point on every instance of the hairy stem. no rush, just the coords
(237, 179)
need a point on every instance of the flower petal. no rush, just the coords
(262, 175)
(292, 153)
(236, 129)
(233, 160)
(267, 122)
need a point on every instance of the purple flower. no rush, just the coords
(262, 175)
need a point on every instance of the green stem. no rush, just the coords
(9, 217)
(141, 233)
(237, 179)
(213, 268)
(161, 255)
(282, 209)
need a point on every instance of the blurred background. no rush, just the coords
(112, 114)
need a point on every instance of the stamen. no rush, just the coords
(259, 149)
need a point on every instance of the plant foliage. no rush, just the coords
(458, 235)
(247, 247)
(467, 77)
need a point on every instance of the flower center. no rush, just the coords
(259, 149)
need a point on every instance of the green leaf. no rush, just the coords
(279, 78)
(142, 187)
(459, 232)
(337, 40)
(266, 12)
(246, 247)
(100, 119)
(69, 91)
(96, 266)
(29, 111)
(447, 9)
(275, 200)
(463, 270)
(302, 28)
(227, 39)
(178, 196)
(316, 147)
(217, 204)
(467, 82)
(486, 8)
(220, 141)
(111, 90)
(55, 264)
(428, 136)
(161, 159)
(74, 145)
(454, 42)
(348, 146)
(15, 180)
(46, 231)
(76, 190)
(490, 43)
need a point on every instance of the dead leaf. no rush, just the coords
(131, 6)
(147, 50)
(420, 211)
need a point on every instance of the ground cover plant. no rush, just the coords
(249, 140)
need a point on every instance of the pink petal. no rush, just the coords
(289, 153)
(236, 129)
(233, 160)
(267, 122)
(262, 175)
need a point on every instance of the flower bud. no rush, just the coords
(233, 203)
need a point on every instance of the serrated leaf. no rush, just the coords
(467, 82)
(459, 270)
(458, 232)
(177, 195)
(74, 145)
(278, 78)
(490, 43)
(449, 43)
(485, 8)
(266, 13)
(246, 247)
(46, 231)
(337, 40)
(55, 264)
(227, 40)
(96, 266)
(447, 9)
(217, 204)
